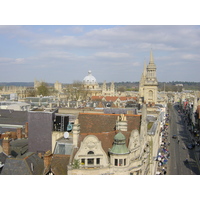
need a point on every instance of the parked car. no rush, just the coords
(174, 136)
(190, 146)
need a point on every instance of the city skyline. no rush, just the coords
(113, 53)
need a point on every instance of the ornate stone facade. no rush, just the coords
(120, 152)
(148, 87)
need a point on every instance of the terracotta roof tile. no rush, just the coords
(111, 99)
(103, 126)
(93, 98)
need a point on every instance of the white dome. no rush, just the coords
(89, 79)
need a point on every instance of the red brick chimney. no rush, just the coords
(6, 145)
(19, 133)
(47, 159)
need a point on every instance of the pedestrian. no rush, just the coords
(178, 141)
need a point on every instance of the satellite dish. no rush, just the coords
(66, 134)
(69, 127)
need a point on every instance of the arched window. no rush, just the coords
(150, 95)
(90, 152)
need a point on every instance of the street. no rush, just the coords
(179, 152)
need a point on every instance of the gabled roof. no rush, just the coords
(110, 99)
(29, 164)
(59, 164)
(123, 98)
(106, 138)
(101, 122)
(93, 98)
(100, 105)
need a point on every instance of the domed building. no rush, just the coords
(90, 84)
(92, 87)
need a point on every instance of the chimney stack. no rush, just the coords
(76, 132)
(6, 145)
(26, 129)
(19, 133)
(47, 158)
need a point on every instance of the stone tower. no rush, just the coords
(149, 82)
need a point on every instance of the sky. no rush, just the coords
(66, 53)
(113, 53)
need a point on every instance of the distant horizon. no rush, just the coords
(26, 82)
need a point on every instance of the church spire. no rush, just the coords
(151, 57)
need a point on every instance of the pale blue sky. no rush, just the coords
(113, 53)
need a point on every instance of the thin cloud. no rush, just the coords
(111, 55)
(99, 48)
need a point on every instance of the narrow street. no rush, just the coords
(179, 152)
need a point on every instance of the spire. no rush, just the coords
(151, 57)
(145, 68)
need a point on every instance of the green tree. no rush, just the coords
(76, 91)
(31, 93)
(76, 164)
(43, 89)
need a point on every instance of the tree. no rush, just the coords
(31, 92)
(76, 91)
(76, 164)
(43, 89)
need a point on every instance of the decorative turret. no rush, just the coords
(119, 147)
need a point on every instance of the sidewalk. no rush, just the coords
(164, 154)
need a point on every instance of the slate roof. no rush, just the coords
(29, 164)
(18, 147)
(119, 110)
(3, 157)
(13, 117)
